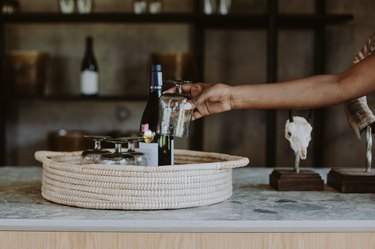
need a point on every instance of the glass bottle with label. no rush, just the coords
(89, 84)
(157, 149)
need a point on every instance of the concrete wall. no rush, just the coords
(233, 57)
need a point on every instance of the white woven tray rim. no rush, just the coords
(203, 178)
(226, 162)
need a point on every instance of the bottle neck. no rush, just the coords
(156, 80)
(155, 92)
(89, 46)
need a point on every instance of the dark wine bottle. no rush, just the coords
(89, 84)
(166, 150)
(159, 151)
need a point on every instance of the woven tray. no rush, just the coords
(197, 179)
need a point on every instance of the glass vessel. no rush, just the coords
(89, 80)
(93, 155)
(224, 6)
(209, 7)
(139, 6)
(175, 112)
(10, 6)
(84, 6)
(140, 158)
(155, 6)
(66, 6)
(118, 157)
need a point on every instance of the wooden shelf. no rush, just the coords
(233, 21)
(283, 21)
(80, 98)
(106, 17)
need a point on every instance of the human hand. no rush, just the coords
(207, 99)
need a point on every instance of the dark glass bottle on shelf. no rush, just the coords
(159, 148)
(89, 83)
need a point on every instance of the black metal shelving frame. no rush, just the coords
(271, 22)
(232, 21)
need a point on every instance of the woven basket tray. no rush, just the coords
(197, 179)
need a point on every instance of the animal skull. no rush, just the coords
(298, 133)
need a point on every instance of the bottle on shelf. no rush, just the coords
(157, 148)
(89, 83)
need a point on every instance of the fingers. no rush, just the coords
(200, 111)
(196, 115)
(170, 90)
(193, 89)
(188, 88)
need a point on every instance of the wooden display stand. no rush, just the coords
(290, 180)
(351, 180)
(355, 180)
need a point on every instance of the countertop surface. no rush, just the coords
(254, 207)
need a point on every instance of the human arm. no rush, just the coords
(310, 92)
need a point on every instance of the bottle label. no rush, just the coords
(151, 151)
(89, 82)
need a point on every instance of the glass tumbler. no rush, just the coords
(155, 6)
(140, 158)
(93, 155)
(118, 157)
(209, 7)
(84, 6)
(175, 112)
(66, 6)
(139, 6)
(224, 6)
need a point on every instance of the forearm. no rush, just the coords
(311, 92)
(305, 93)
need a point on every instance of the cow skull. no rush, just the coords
(298, 133)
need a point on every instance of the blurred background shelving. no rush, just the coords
(245, 46)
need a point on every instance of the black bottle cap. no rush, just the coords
(156, 68)
(156, 77)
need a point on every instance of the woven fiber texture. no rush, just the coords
(197, 179)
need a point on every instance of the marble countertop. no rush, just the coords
(254, 207)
